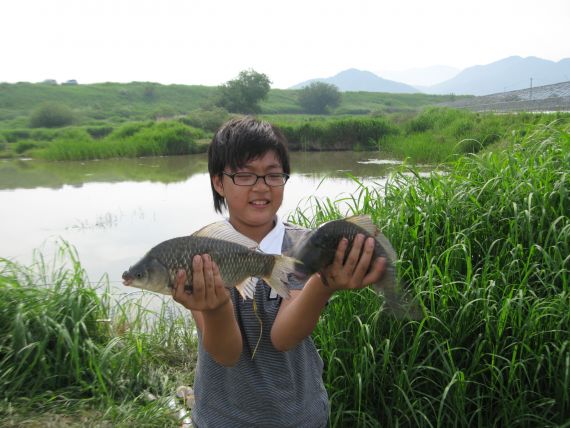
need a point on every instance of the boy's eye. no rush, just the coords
(249, 178)
(277, 179)
(245, 178)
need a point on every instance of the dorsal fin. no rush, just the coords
(365, 222)
(223, 230)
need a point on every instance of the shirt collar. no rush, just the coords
(272, 242)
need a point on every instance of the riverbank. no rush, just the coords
(484, 248)
(432, 136)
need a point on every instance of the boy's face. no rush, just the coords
(252, 208)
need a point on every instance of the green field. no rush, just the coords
(484, 248)
(108, 120)
(108, 103)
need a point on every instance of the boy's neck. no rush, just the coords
(255, 233)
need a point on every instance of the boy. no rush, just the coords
(281, 385)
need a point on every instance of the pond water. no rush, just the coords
(113, 211)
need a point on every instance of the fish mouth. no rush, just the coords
(127, 279)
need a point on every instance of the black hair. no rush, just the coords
(239, 141)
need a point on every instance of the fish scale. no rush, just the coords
(318, 248)
(237, 258)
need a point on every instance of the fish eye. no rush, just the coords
(139, 275)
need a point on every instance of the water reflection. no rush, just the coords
(29, 174)
(113, 211)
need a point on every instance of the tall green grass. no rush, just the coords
(350, 133)
(135, 139)
(486, 250)
(442, 134)
(67, 348)
(485, 247)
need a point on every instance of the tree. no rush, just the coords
(51, 115)
(319, 97)
(243, 94)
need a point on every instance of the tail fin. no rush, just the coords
(396, 300)
(278, 280)
(399, 306)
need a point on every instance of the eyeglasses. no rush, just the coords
(275, 179)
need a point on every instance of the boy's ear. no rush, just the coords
(218, 185)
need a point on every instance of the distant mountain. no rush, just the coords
(508, 74)
(421, 77)
(357, 80)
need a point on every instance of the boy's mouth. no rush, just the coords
(259, 202)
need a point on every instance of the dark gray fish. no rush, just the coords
(317, 250)
(236, 256)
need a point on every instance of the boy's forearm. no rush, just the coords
(221, 335)
(299, 318)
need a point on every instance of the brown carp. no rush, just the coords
(237, 258)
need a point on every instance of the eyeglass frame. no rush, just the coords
(257, 177)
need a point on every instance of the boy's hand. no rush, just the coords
(356, 272)
(208, 291)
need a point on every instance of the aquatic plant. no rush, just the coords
(485, 247)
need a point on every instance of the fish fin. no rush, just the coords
(247, 288)
(401, 307)
(365, 222)
(387, 246)
(278, 280)
(224, 231)
(396, 301)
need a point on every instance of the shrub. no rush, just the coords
(51, 115)
(343, 134)
(99, 131)
(319, 97)
(209, 120)
(164, 112)
(170, 138)
(24, 146)
(130, 129)
(14, 135)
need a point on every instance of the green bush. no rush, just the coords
(170, 138)
(319, 97)
(337, 134)
(51, 115)
(131, 140)
(99, 131)
(14, 135)
(209, 120)
(130, 129)
(165, 112)
(24, 146)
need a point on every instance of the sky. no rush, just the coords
(208, 42)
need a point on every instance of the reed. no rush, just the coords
(484, 247)
(66, 347)
(486, 250)
(131, 140)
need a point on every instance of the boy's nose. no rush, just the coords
(260, 182)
